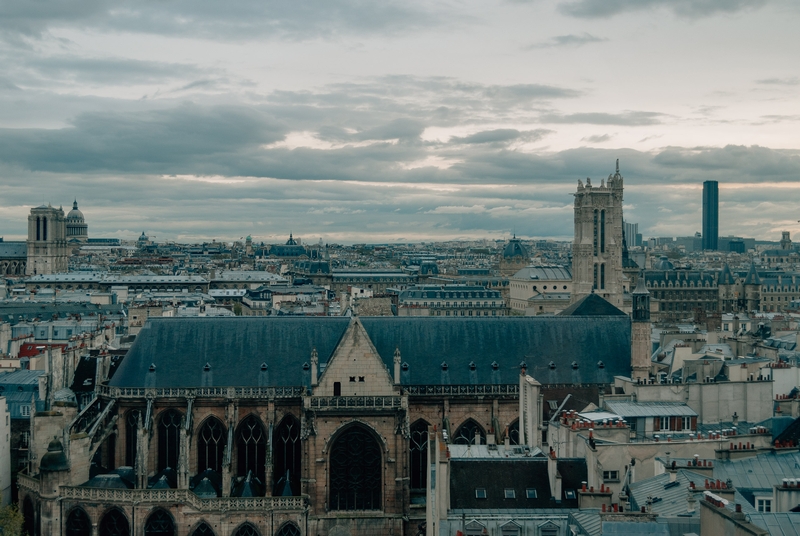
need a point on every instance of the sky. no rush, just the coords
(361, 121)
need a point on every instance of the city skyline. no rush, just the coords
(398, 122)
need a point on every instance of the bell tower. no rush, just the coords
(47, 241)
(597, 247)
(641, 345)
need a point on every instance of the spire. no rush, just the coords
(726, 277)
(617, 165)
(752, 276)
(75, 204)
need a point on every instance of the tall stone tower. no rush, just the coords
(641, 345)
(47, 241)
(597, 248)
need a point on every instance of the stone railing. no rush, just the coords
(355, 402)
(183, 496)
(462, 390)
(201, 392)
(29, 483)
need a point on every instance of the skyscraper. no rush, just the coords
(710, 215)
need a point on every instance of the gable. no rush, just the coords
(356, 366)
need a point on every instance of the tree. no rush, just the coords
(237, 309)
(11, 521)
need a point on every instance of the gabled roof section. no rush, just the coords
(752, 276)
(725, 276)
(591, 305)
(235, 349)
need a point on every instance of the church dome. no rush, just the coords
(663, 263)
(55, 459)
(514, 248)
(75, 215)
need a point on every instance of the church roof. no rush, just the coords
(591, 305)
(13, 250)
(752, 276)
(442, 351)
(514, 248)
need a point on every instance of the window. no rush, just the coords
(663, 423)
(686, 423)
(418, 449)
(480, 493)
(131, 426)
(286, 456)
(469, 433)
(509, 493)
(251, 448)
(569, 494)
(530, 493)
(25, 410)
(203, 530)
(764, 505)
(288, 529)
(169, 439)
(355, 471)
(159, 524)
(210, 444)
(611, 476)
(114, 523)
(246, 530)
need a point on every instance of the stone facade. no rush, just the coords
(47, 241)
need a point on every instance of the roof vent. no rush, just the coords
(404, 366)
(264, 367)
(472, 365)
(152, 367)
(552, 365)
(306, 366)
(444, 365)
(523, 365)
(495, 366)
(600, 364)
(574, 365)
(207, 367)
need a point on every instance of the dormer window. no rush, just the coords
(480, 493)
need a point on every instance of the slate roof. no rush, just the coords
(495, 476)
(759, 472)
(778, 524)
(13, 250)
(790, 433)
(752, 276)
(591, 305)
(598, 346)
(14, 312)
(235, 348)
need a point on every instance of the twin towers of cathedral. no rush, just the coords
(597, 261)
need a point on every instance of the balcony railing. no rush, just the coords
(28, 483)
(462, 390)
(201, 392)
(356, 402)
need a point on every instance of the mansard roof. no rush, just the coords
(434, 351)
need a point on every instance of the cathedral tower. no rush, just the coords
(641, 346)
(47, 241)
(597, 248)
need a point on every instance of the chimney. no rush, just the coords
(690, 503)
(553, 476)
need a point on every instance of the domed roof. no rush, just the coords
(663, 263)
(55, 459)
(514, 248)
(75, 214)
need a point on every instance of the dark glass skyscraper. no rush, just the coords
(710, 215)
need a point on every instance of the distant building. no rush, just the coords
(450, 300)
(515, 256)
(710, 215)
(47, 241)
(13, 257)
(540, 289)
(77, 229)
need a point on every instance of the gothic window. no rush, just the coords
(159, 524)
(29, 517)
(602, 231)
(44, 228)
(603, 276)
(286, 455)
(288, 529)
(114, 523)
(203, 530)
(355, 469)
(38, 229)
(210, 444)
(595, 276)
(78, 523)
(131, 426)
(465, 435)
(246, 530)
(513, 432)
(418, 445)
(169, 435)
(251, 443)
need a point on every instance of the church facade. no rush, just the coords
(298, 426)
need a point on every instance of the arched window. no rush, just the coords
(288, 529)
(465, 435)
(131, 427)
(114, 523)
(513, 432)
(203, 530)
(418, 447)
(355, 469)
(29, 517)
(210, 444)
(251, 448)
(246, 530)
(159, 524)
(286, 455)
(78, 523)
(169, 439)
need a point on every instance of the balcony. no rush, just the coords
(201, 392)
(371, 403)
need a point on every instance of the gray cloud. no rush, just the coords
(633, 118)
(501, 135)
(682, 8)
(599, 138)
(792, 81)
(573, 40)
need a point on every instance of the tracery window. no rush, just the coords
(203, 530)
(286, 454)
(513, 432)
(418, 447)
(465, 435)
(251, 443)
(114, 523)
(210, 444)
(246, 530)
(355, 469)
(159, 524)
(288, 529)
(169, 435)
(78, 523)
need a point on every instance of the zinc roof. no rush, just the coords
(778, 524)
(759, 472)
(651, 409)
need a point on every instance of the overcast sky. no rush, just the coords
(378, 121)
